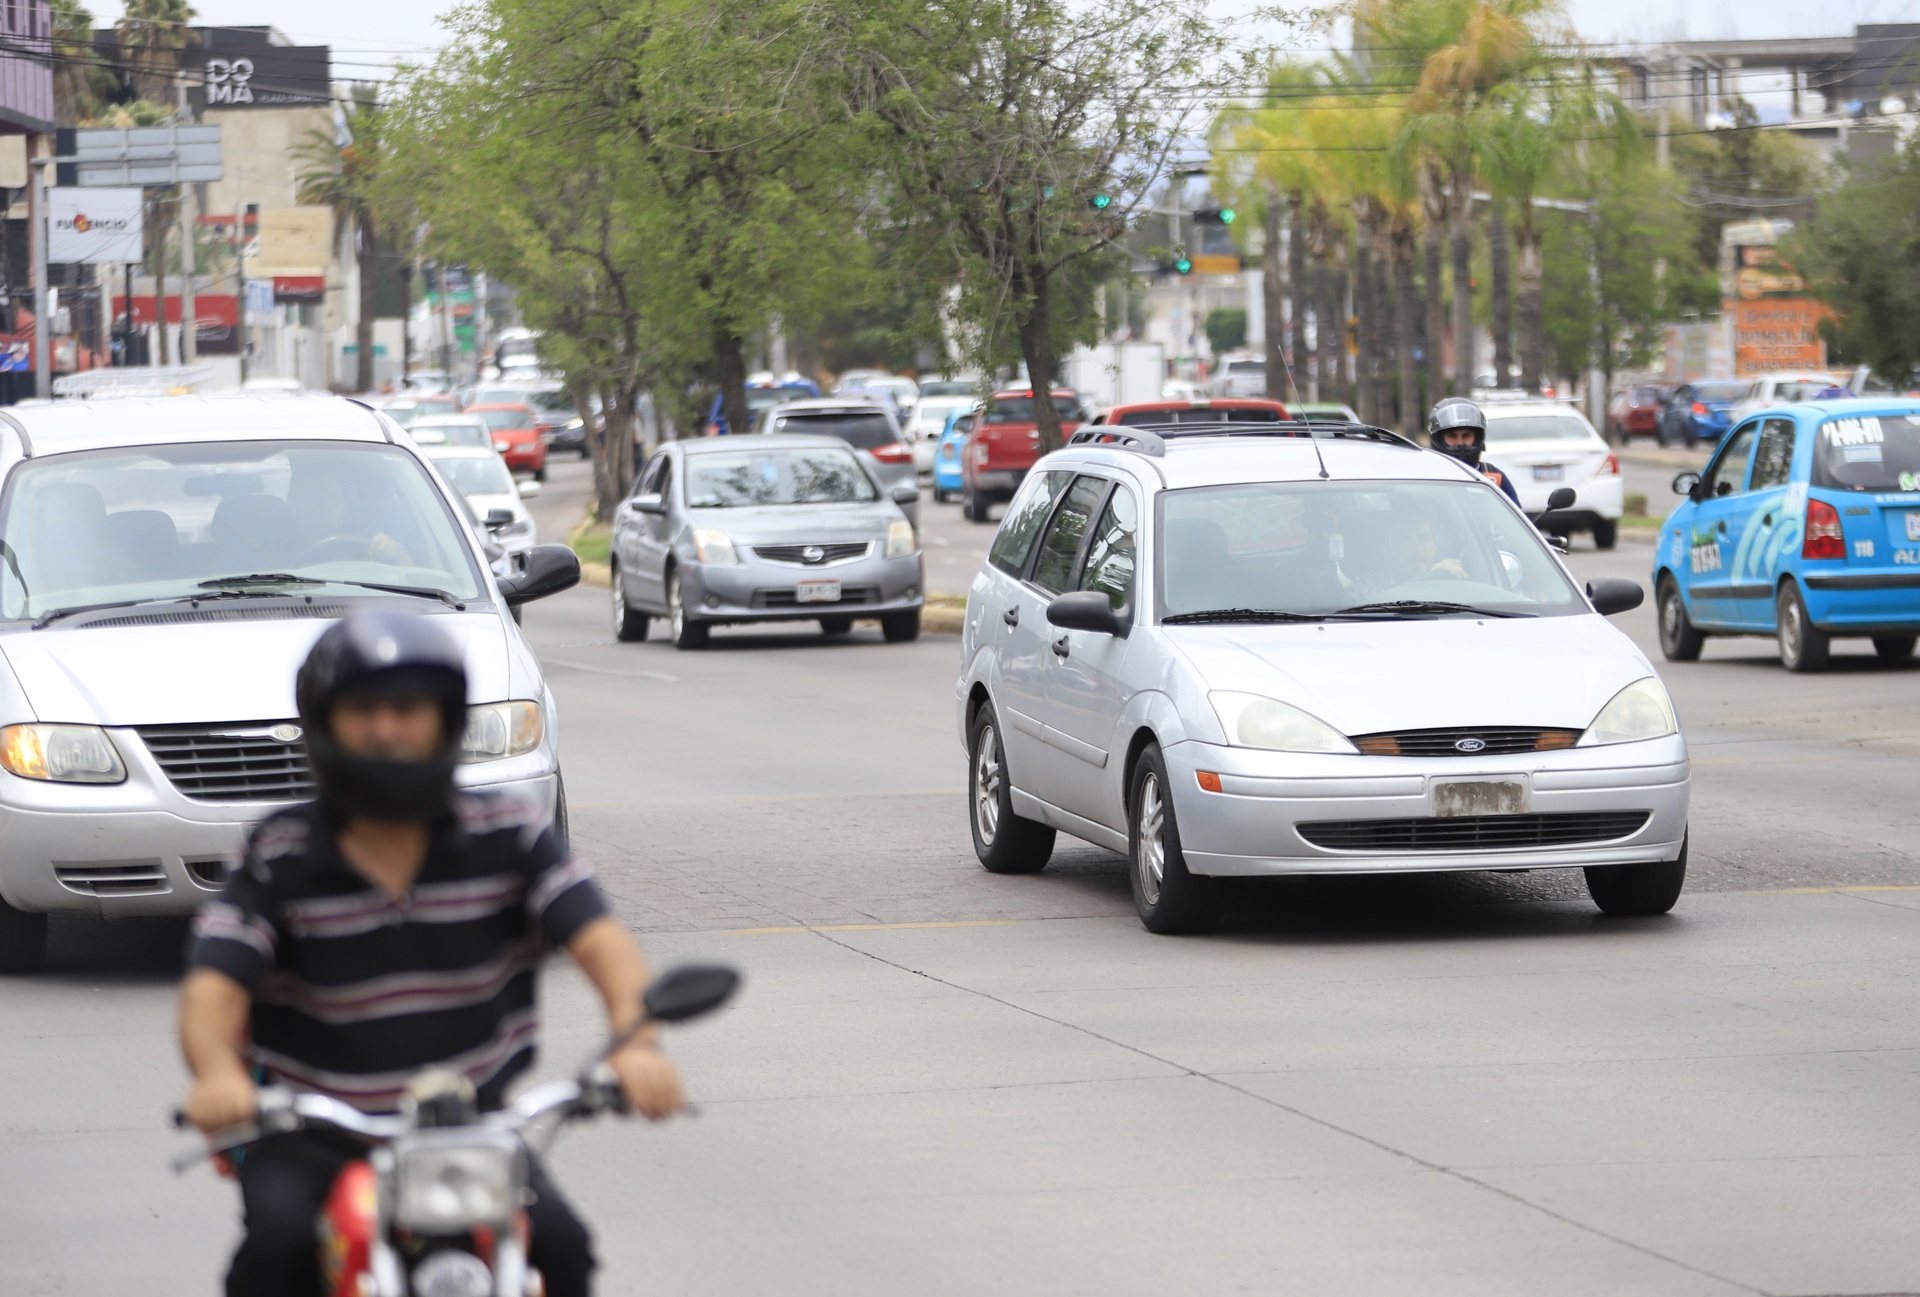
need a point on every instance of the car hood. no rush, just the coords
(1370, 677)
(798, 524)
(160, 674)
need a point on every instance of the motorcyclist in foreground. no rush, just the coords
(392, 925)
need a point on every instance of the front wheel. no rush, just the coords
(687, 633)
(1892, 648)
(973, 508)
(1005, 843)
(1168, 899)
(1803, 647)
(901, 627)
(1606, 533)
(629, 626)
(1680, 640)
(1650, 888)
(23, 940)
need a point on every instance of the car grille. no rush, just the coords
(851, 594)
(112, 877)
(1493, 741)
(239, 762)
(838, 552)
(1474, 832)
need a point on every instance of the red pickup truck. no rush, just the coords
(1004, 444)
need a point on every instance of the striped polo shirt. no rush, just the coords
(355, 990)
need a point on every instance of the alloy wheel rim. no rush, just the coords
(1790, 628)
(1670, 618)
(1150, 856)
(986, 785)
(674, 610)
(619, 598)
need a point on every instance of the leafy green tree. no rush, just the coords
(341, 173)
(152, 32)
(1743, 173)
(1226, 329)
(1861, 256)
(80, 83)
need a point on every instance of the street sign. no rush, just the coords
(1205, 265)
(140, 155)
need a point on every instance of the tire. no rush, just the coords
(562, 825)
(940, 495)
(23, 940)
(835, 625)
(687, 633)
(1626, 890)
(1168, 899)
(901, 627)
(629, 626)
(1893, 648)
(540, 474)
(1680, 640)
(1606, 533)
(1005, 843)
(973, 509)
(1803, 647)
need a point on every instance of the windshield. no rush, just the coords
(1247, 367)
(1719, 391)
(1316, 548)
(765, 398)
(476, 474)
(866, 431)
(740, 478)
(497, 396)
(945, 387)
(556, 401)
(1538, 427)
(1870, 453)
(502, 419)
(1144, 418)
(462, 432)
(1020, 409)
(1795, 390)
(156, 522)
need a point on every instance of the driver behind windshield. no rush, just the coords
(321, 502)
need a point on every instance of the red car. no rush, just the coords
(1200, 410)
(1004, 445)
(516, 435)
(1636, 412)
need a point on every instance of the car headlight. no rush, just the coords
(61, 754)
(900, 542)
(442, 1189)
(497, 730)
(1640, 711)
(575, 423)
(502, 445)
(1252, 721)
(711, 546)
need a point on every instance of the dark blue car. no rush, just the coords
(1804, 526)
(760, 397)
(1700, 411)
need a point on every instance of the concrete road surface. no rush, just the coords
(938, 1081)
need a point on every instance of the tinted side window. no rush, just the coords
(1110, 558)
(1060, 546)
(1025, 516)
(651, 479)
(1773, 461)
(1729, 472)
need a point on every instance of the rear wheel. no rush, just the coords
(629, 626)
(835, 625)
(1650, 888)
(1005, 843)
(1679, 639)
(1606, 533)
(1168, 899)
(540, 474)
(687, 633)
(972, 508)
(901, 627)
(941, 495)
(1802, 646)
(23, 940)
(1893, 647)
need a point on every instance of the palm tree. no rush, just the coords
(340, 174)
(77, 75)
(153, 32)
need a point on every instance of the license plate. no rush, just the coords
(1480, 797)
(817, 592)
(1549, 472)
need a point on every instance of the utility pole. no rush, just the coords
(37, 236)
(189, 312)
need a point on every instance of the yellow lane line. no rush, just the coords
(868, 927)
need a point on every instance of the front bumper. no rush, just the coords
(140, 848)
(755, 589)
(1250, 828)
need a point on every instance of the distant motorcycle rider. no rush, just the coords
(394, 924)
(1458, 427)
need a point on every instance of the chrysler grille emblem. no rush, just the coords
(286, 733)
(813, 554)
(1469, 745)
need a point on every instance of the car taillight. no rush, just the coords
(1823, 532)
(893, 453)
(1611, 468)
(980, 454)
(1699, 407)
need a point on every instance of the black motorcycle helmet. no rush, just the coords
(382, 655)
(1456, 414)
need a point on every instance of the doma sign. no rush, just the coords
(229, 82)
(240, 67)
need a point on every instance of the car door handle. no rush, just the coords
(1767, 521)
(1060, 647)
(1011, 616)
(1723, 527)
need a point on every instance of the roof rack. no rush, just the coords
(136, 380)
(1152, 438)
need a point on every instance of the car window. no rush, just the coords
(653, 476)
(1060, 543)
(1719, 391)
(474, 475)
(451, 432)
(1110, 557)
(1025, 516)
(1538, 427)
(1798, 390)
(557, 401)
(1868, 453)
(501, 420)
(1729, 472)
(1020, 409)
(863, 431)
(749, 478)
(1773, 460)
(1202, 414)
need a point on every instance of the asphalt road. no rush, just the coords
(942, 1082)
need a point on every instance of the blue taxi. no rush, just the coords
(946, 455)
(1805, 526)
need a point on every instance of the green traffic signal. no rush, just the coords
(1101, 202)
(1183, 266)
(1226, 215)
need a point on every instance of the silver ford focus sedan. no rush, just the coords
(164, 567)
(764, 528)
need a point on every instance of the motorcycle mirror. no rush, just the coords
(689, 991)
(1562, 498)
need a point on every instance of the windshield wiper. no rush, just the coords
(288, 578)
(446, 597)
(1430, 608)
(1217, 615)
(260, 578)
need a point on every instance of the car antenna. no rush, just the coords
(1294, 387)
(1315, 439)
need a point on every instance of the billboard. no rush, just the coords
(94, 226)
(239, 67)
(1775, 324)
(293, 241)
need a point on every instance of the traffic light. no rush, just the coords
(1100, 202)
(1215, 216)
(1183, 265)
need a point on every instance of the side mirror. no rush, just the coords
(1562, 498)
(498, 518)
(689, 991)
(528, 489)
(1085, 610)
(651, 503)
(1686, 483)
(544, 570)
(1612, 594)
(905, 493)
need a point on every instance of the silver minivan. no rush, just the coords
(164, 567)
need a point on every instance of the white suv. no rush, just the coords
(1203, 647)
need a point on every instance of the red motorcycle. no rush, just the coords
(435, 1208)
